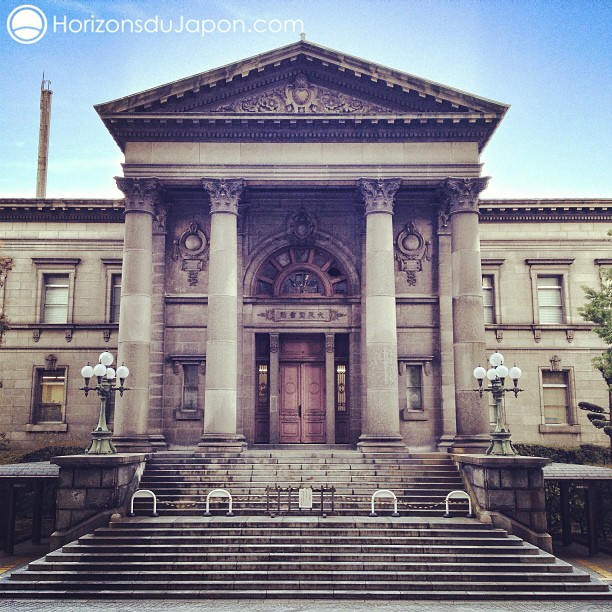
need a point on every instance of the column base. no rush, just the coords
(137, 443)
(369, 444)
(476, 444)
(221, 443)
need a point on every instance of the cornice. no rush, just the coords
(82, 210)
(416, 127)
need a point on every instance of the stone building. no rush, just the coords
(300, 258)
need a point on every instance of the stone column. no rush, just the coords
(273, 382)
(134, 344)
(447, 370)
(380, 422)
(460, 196)
(221, 395)
(330, 388)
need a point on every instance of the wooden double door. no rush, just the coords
(302, 403)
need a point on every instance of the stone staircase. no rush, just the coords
(421, 482)
(300, 557)
(261, 553)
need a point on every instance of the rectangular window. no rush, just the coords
(190, 386)
(414, 389)
(550, 298)
(115, 298)
(488, 296)
(55, 300)
(51, 385)
(555, 393)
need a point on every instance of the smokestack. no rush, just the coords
(43, 138)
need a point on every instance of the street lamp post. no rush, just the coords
(496, 375)
(106, 385)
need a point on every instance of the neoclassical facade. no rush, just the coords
(301, 257)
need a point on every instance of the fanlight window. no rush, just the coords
(301, 272)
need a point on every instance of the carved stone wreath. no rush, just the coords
(301, 97)
(411, 249)
(192, 249)
(301, 227)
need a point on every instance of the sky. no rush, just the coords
(550, 60)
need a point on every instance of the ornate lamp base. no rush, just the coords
(101, 443)
(501, 445)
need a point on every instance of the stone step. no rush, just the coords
(239, 548)
(534, 567)
(491, 594)
(155, 576)
(311, 585)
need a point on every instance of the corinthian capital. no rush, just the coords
(378, 194)
(141, 194)
(224, 194)
(461, 194)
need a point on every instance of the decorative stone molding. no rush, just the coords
(330, 341)
(302, 97)
(569, 334)
(301, 227)
(274, 343)
(443, 222)
(179, 360)
(159, 219)
(499, 335)
(68, 335)
(36, 334)
(461, 194)
(50, 362)
(555, 364)
(224, 194)
(106, 334)
(411, 249)
(141, 194)
(378, 194)
(537, 334)
(192, 249)
(301, 315)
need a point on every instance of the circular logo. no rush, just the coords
(26, 24)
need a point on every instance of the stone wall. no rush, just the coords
(509, 491)
(91, 489)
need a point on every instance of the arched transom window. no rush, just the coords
(301, 272)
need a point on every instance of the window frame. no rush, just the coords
(181, 413)
(112, 269)
(35, 424)
(569, 395)
(493, 267)
(551, 267)
(50, 266)
(423, 362)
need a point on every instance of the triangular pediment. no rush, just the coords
(300, 81)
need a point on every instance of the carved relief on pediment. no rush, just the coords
(301, 96)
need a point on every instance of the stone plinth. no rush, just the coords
(511, 491)
(91, 489)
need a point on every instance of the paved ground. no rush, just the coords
(599, 566)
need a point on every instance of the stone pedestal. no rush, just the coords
(91, 489)
(509, 491)
(380, 423)
(460, 198)
(135, 317)
(220, 399)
